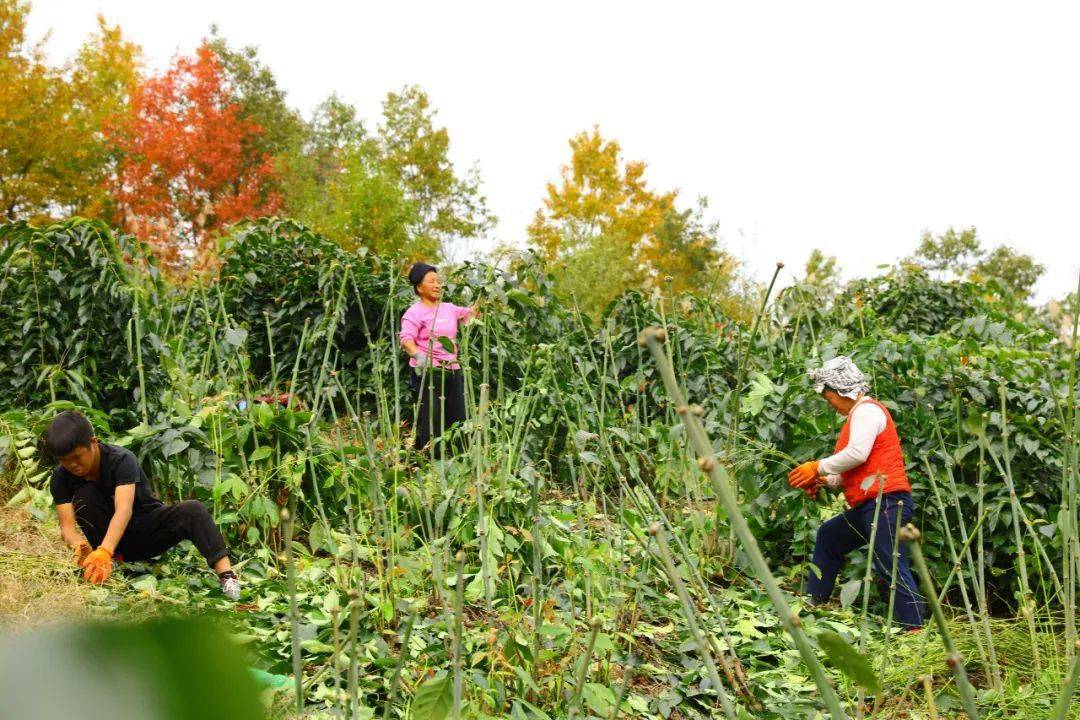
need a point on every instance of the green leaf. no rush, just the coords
(235, 336)
(761, 387)
(599, 698)
(260, 453)
(145, 583)
(855, 666)
(433, 699)
(316, 647)
(174, 447)
(848, 592)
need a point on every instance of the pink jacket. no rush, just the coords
(424, 325)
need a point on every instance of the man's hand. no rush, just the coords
(805, 476)
(98, 566)
(80, 552)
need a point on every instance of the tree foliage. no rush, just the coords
(416, 152)
(607, 231)
(191, 162)
(962, 254)
(56, 156)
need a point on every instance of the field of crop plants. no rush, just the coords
(615, 536)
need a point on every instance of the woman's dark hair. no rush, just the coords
(417, 274)
(68, 430)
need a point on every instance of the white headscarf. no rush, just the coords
(842, 375)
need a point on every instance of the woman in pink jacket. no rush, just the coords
(429, 331)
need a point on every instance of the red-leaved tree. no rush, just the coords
(190, 163)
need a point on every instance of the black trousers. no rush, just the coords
(441, 393)
(150, 532)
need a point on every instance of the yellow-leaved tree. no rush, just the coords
(603, 230)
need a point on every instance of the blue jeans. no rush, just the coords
(844, 533)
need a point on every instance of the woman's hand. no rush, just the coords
(804, 476)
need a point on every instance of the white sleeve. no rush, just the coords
(867, 422)
(834, 481)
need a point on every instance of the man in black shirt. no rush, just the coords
(102, 489)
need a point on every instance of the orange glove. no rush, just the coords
(80, 552)
(804, 476)
(98, 565)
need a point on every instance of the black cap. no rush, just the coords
(418, 272)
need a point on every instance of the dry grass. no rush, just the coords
(38, 582)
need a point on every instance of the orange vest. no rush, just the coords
(886, 460)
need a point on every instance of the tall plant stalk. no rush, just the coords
(294, 614)
(707, 462)
(704, 648)
(911, 535)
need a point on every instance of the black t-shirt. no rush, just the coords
(118, 467)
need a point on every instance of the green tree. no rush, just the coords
(962, 255)
(55, 154)
(102, 76)
(338, 185)
(415, 152)
(1017, 271)
(951, 251)
(821, 270)
(605, 230)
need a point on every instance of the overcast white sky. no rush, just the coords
(847, 126)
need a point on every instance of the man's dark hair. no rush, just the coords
(68, 430)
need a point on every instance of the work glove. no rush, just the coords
(98, 566)
(805, 476)
(80, 553)
(422, 360)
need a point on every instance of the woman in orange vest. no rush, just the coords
(868, 460)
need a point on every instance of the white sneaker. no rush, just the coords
(230, 588)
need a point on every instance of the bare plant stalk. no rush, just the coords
(402, 657)
(538, 568)
(628, 673)
(690, 613)
(892, 605)
(1070, 487)
(928, 690)
(911, 535)
(481, 492)
(744, 356)
(957, 565)
(458, 604)
(1064, 701)
(863, 629)
(354, 658)
(139, 361)
(1025, 586)
(335, 617)
(294, 615)
(583, 671)
(654, 338)
(975, 570)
